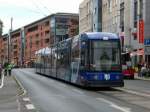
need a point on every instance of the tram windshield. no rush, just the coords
(103, 56)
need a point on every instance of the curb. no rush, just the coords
(21, 87)
(140, 78)
(23, 105)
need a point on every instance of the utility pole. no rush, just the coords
(9, 39)
(22, 47)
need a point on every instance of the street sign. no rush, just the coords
(147, 42)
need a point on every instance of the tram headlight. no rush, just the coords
(117, 77)
(96, 77)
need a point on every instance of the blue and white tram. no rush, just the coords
(91, 60)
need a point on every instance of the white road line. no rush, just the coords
(2, 80)
(123, 109)
(30, 106)
(78, 91)
(26, 99)
(134, 92)
(20, 84)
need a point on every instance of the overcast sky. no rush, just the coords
(27, 11)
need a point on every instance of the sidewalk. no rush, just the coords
(141, 78)
(9, 95)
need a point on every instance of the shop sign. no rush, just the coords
(141, 31)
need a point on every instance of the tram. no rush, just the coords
(91, 59)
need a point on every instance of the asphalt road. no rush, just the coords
(49, 95)
(138, 85)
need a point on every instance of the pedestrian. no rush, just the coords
(5, 68)
(143, 71)
(9, 68)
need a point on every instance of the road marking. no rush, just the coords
(123, 109)
(2, 79)
(134, 92)
(30, 106)
(21, 86)
(26, 99)
(78, 91)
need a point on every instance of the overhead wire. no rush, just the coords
(37, 7)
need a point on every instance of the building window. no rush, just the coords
(135, 13)
(37, 35)
(47, 23)
(47, 32)
(95, 11)
(32, 29)
(135, 37)
(46, 40)
(37, 43)
(122, 17)
(141, 9)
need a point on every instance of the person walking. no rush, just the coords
(9, 68)
(5, 68)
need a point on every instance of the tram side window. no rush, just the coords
(82, 58)
(75, 51)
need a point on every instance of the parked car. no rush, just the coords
(128, 73)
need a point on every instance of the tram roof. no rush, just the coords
(99, 35)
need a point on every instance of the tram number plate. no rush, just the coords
(107, 76)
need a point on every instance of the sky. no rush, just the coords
(24, 12)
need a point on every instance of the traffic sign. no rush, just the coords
(147, 42)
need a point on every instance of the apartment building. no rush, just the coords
(48, 31)
(63, 26)
(4, 49)
(15, 47)
(37, 36)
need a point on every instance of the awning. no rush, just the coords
(138, 52)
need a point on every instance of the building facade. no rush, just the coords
(90, 16)
(4, 49)
(146, 16)
(111, 16)
(63, 26)
(37, 36)
(85, 16)
(15, 47)
(130, 20)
